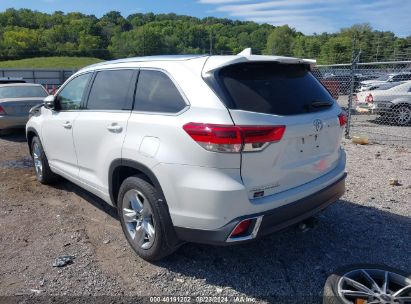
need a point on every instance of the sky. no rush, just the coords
(307, 16)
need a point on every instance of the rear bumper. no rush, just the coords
(9, 121)
(272, 220)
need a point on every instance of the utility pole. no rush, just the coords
(144, 41)
(211, 42)
(354, 61)
(378, 48)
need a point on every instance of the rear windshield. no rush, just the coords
(273, 88)
(22, 91)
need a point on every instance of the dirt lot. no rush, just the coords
(370, 224)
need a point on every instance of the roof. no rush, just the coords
(209, 62)
(148, 58)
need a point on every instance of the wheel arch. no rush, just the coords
(30, 134)
(120, 169)
(401, 102)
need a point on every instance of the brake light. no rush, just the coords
(226, 138)
(2, 112)
(369, 99)
(342, 119)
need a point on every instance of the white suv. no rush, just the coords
(208, 149)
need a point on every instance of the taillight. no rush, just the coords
(256, 138)
(227, 138)
(342, 117)
(2, 112)
(369, 99)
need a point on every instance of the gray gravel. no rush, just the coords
(370, 224)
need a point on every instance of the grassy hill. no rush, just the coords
(50, 62)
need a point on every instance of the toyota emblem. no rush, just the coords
(318, 125)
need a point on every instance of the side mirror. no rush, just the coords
(50, 102)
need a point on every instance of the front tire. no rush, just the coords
(402, 115)
(145, 219)
(41, 164)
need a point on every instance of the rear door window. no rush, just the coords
(157, 93)
(111, 90)
(273, 88)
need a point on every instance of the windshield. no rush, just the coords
(274, 88)
(22, 91)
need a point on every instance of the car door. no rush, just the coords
(57, 127)
(100, 128)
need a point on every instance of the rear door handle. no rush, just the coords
(67, 125)
(115, 128)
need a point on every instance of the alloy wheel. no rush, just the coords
(374, 286)
(403, 115)
(38, 165)
(138, 218)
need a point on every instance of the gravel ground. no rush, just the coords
(370, 224)
(376, 128)
(380, 130)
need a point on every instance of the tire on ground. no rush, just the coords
(165, 239)
(47, 176)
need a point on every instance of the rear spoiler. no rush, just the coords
(216, 62)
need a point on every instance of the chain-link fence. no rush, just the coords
(376, 96)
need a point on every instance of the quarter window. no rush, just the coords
(71, 95)
(157, 93)
(110, 90)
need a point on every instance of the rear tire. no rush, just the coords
(41, 164)
(145, 219)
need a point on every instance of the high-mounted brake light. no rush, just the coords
(2, 112)
(342, 117)
(228, 138)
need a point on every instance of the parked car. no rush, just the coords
(4, 80)
(16, 100)
(207, 149)
(384, 79)
(384, 86)
(330, 83)
(344, 80)
(394, 103)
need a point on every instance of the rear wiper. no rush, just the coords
(321, 104)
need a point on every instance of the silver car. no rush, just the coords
(16, 100)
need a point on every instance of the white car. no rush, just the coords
(385, 81)
(208, 149)
(395, 103)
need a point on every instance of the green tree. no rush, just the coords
(137, 42)
(280, 41)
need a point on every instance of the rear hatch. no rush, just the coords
(281, 94)
(18, 99)
(19, 106)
